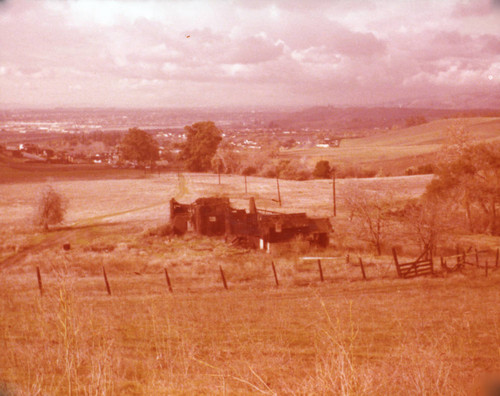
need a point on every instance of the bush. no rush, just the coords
(420, 170)
(50, 209)
(354, 171)
(292, 170)
(249, 170)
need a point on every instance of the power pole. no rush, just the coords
(278, 186)
(334, 196)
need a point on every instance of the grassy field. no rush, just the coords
(393, 151)
(436, 335)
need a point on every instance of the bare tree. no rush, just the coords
(370, 211)
(427, 219)
(50, 208)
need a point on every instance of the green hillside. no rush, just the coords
(394, 151)
(431, 133)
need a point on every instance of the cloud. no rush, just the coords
(473, 8)
(278, 51)
(255, 49)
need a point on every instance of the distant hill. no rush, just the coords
(355, 118)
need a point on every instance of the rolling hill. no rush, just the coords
(390, 153)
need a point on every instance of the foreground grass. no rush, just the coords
(427, 336)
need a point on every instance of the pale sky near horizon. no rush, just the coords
(173, 53)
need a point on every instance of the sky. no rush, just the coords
(210, 53)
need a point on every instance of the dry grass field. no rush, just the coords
(393, 151)
(438, 335)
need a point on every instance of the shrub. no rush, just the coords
(249, 170)
(292, 170)
(355, 171)
(50, 209)
(420, 170)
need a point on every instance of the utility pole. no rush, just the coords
(334, 196)
(278, 186)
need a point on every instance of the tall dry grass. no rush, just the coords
(342, 336)
(333, 338)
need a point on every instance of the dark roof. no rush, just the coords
(287, 220)
(320, 225)
(212, 201)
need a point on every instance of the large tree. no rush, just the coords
(322, 170)
(471, 179)
(202, 141)
(139, 146)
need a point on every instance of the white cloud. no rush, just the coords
(212, 51)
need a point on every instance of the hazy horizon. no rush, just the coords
(238, 54)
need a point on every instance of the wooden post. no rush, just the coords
(477, 258)
(39, 277)
(458, 257)
(245, 184)
(395, 255)
(168, 280)
(218, 172)
(223, 277)
(278, 187)
(275, 274)
(334, 195)
(106, 280)
(320, 271)
(486, 268)
(362, 268)
(496, 260)
(347, 258)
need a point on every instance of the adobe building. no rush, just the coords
(260, 229)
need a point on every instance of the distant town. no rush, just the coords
(92, 136)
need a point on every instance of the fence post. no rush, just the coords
(477, 258)
(223, 277)
(275, 274)
(362, 268)
(486, 269)
(320, 271)
(496, 260)
(395, 255)
(168, 280)
(39, 277)
(106, 280)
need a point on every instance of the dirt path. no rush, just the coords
(59, 236)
